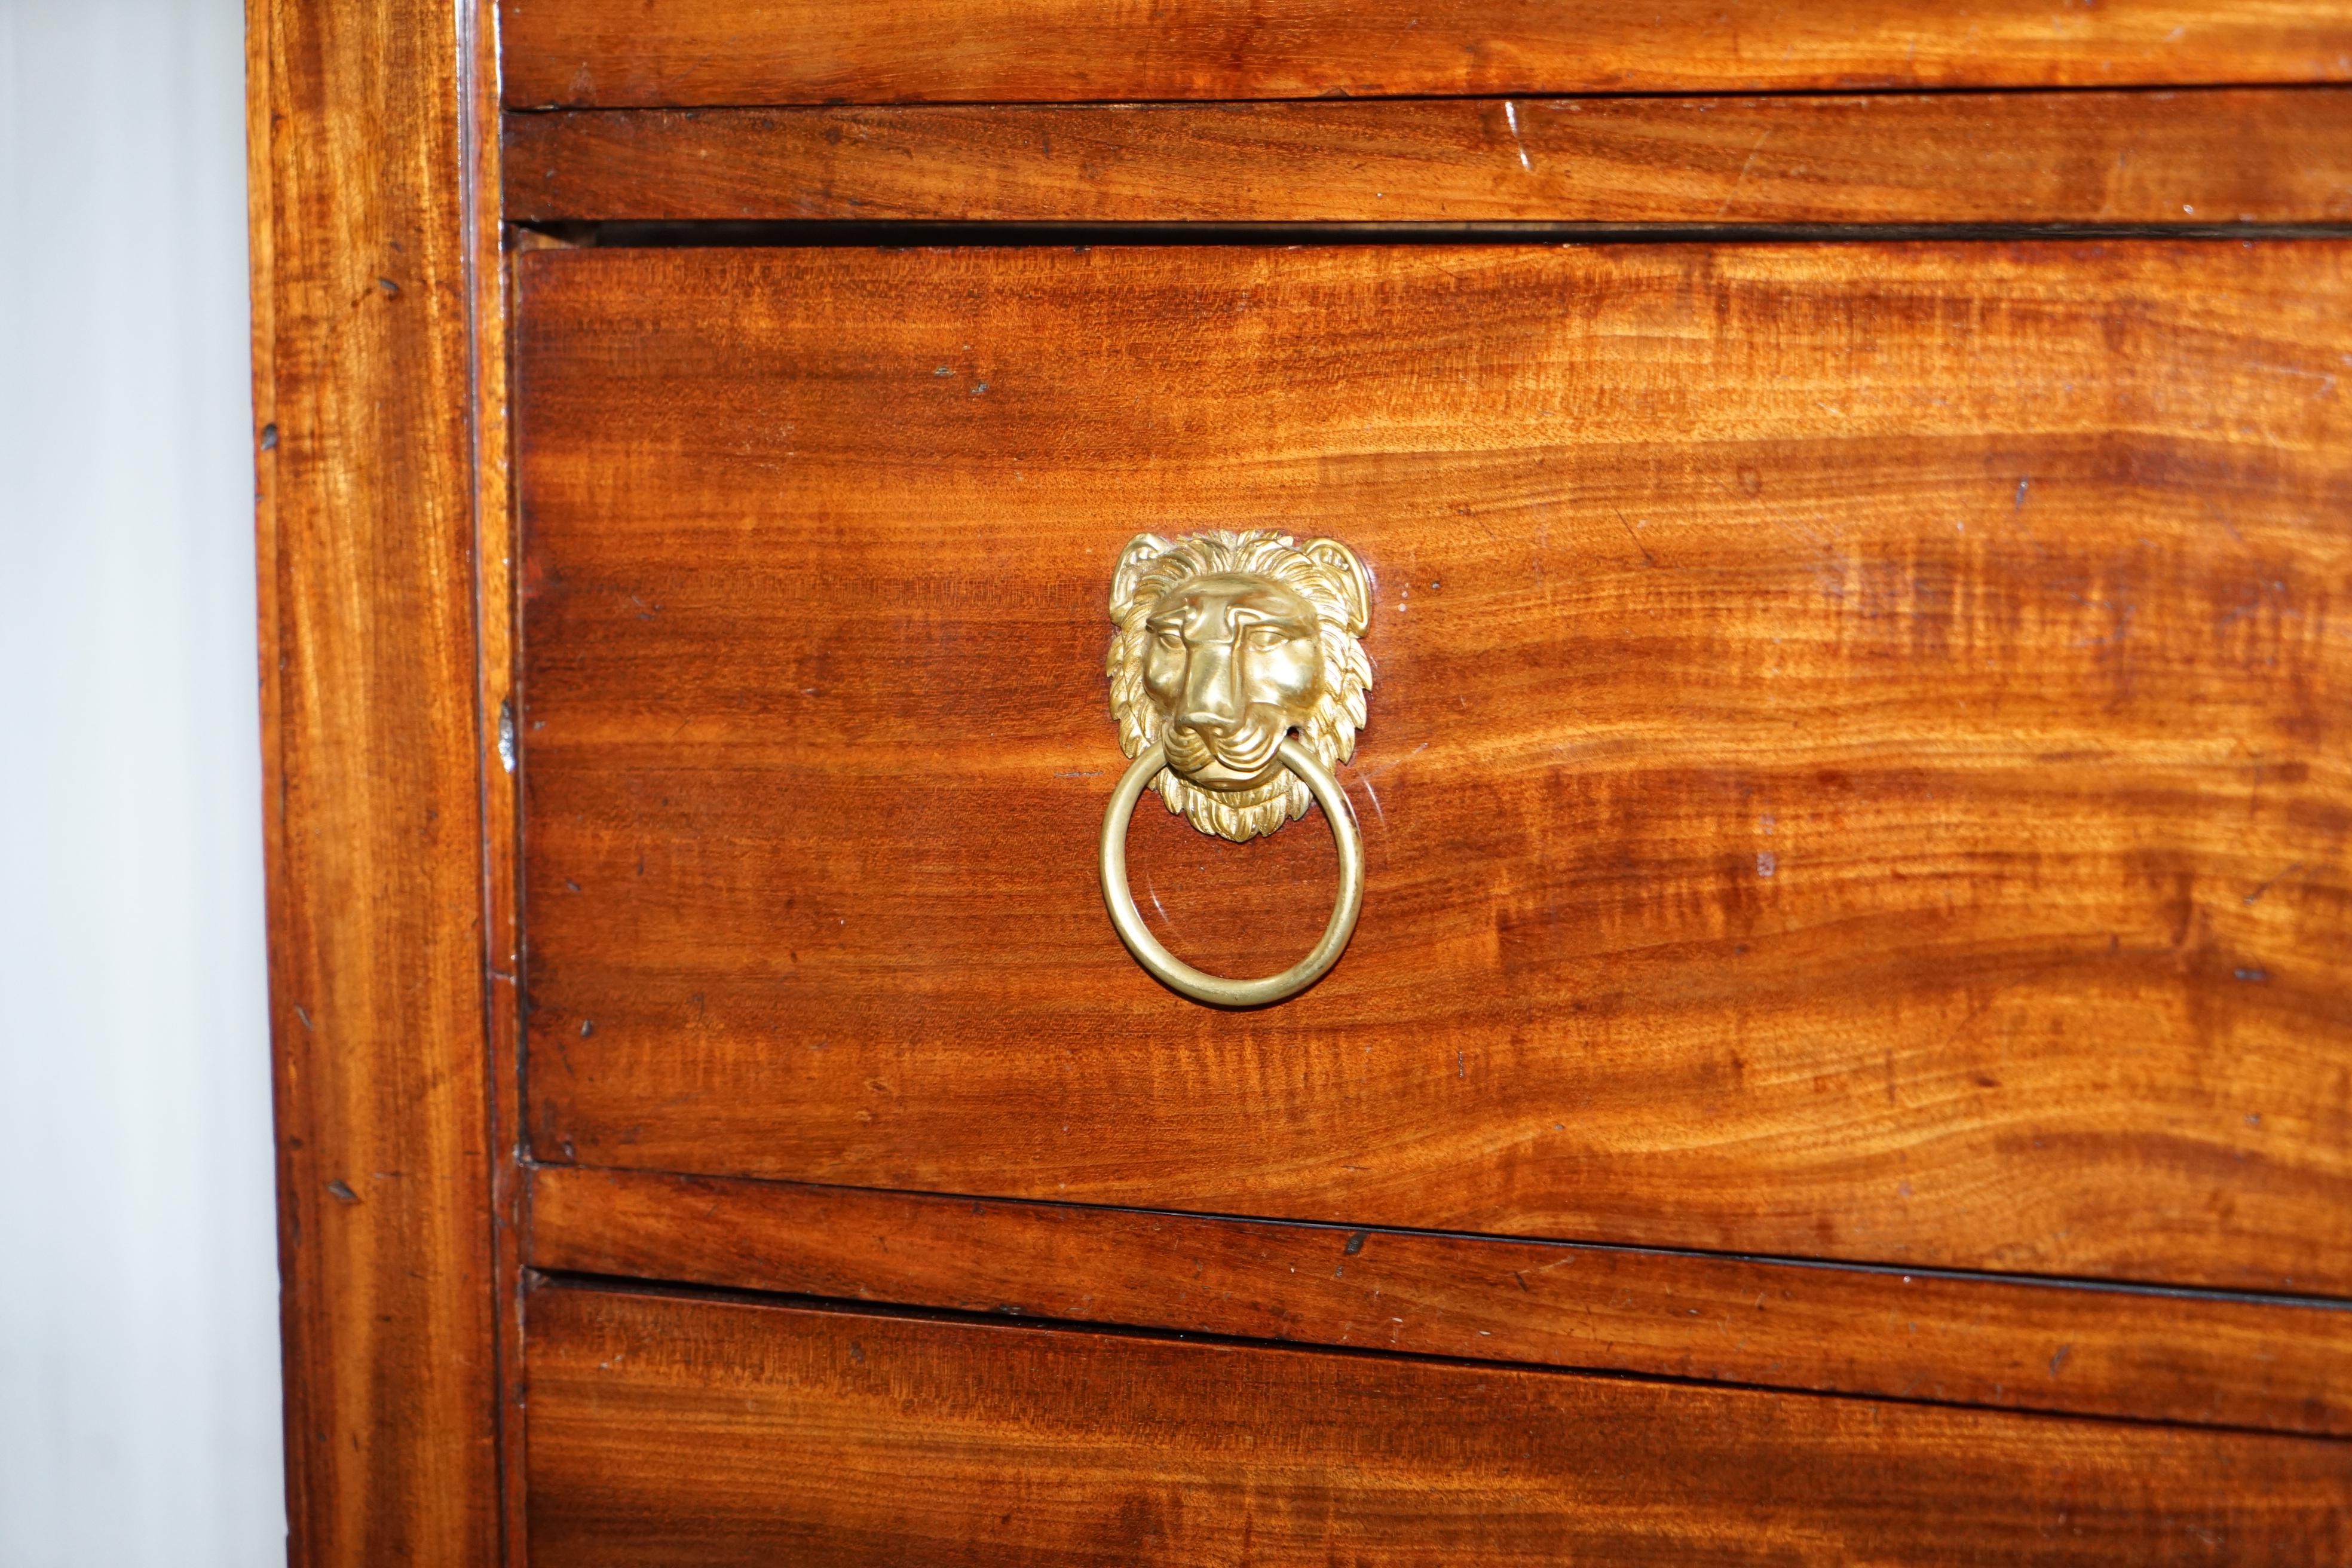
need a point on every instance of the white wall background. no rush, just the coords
(138, 1273)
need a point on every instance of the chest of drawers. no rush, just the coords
(1804, 550)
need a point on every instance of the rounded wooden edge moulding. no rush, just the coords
(1238, 681)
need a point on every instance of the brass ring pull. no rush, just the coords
(1174, 972)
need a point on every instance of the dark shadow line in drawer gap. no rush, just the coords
(1372, 101)
(538, 1279)
(910, 236)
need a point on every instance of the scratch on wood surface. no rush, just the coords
(1733, 193)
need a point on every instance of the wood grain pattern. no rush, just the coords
(1856, 769)
(627, 54)
(668, 1433)
(2206, 157)
(497, 550)
(1834, 787)
(1825, 1329)
(362, 324)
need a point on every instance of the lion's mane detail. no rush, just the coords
(1323, 573)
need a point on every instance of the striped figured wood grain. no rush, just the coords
(1857, 765)
(1954, 1338)
(669, 1433)
(2199, 158)
(622, 54)
(366, 324)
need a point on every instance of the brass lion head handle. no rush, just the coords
(1238, 684)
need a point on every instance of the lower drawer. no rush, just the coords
(666, 1430)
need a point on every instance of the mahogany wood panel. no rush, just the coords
(630, 53)
(496, 621)
(2205, 157)
(1857, 766)
(667, 1432)
(1979, 1340)
(363, 338)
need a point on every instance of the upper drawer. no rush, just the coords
(630, 53)
(1857, 762)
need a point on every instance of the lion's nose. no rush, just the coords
(1210, 693)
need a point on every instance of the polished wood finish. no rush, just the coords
(498, 703)
(364, 398)
(2170, 158)
(667, 1432)
(1856, 773)
(618, 54)
(1857, 767)
(1980, 1340)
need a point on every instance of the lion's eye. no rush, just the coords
(1268, 637)
(1169, 637)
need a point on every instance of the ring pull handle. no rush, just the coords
(1238, 683)
(1180, 976)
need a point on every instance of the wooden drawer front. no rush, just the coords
(2259, 1364)
(668, 1432)
(1856, 767)
(2233, 156)
(619, 53)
